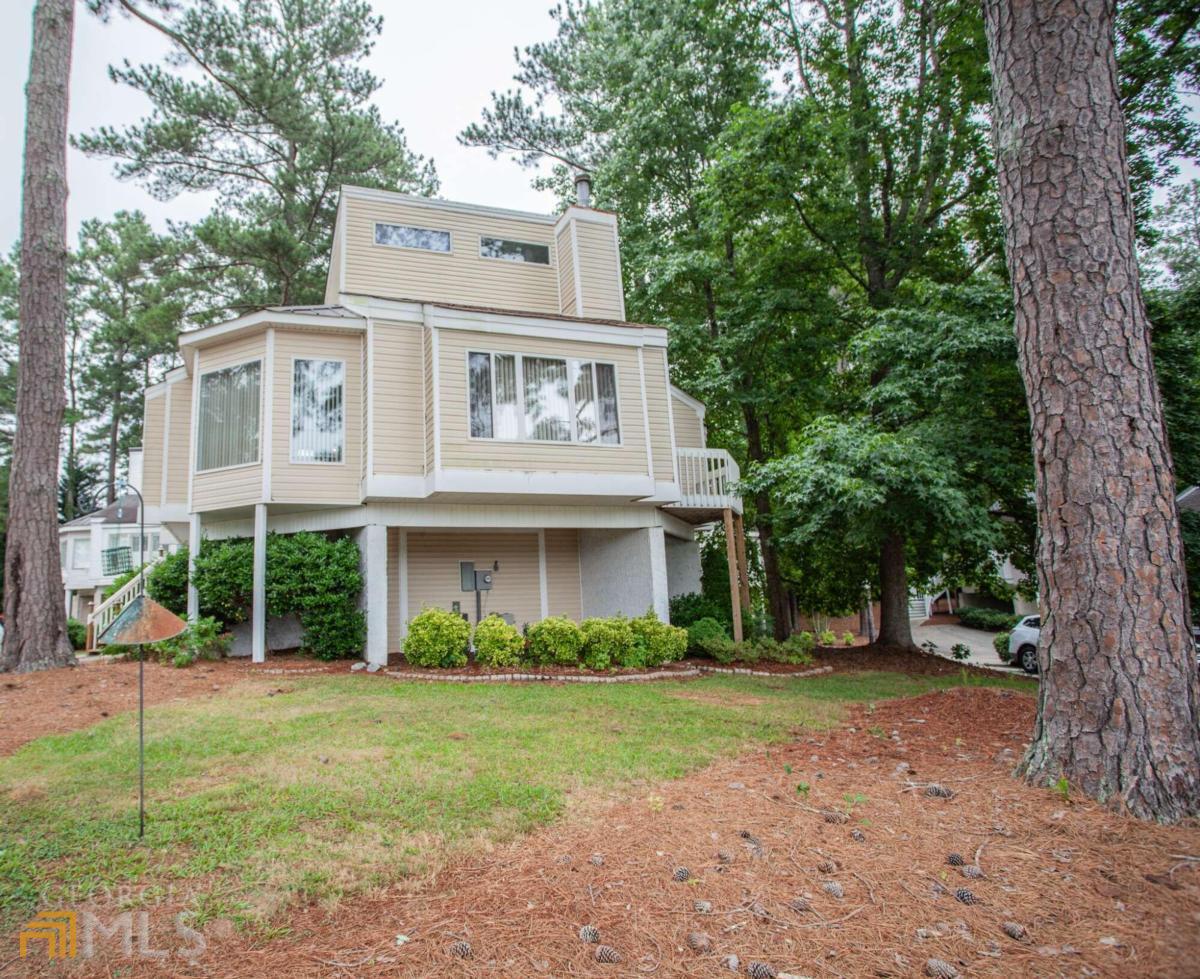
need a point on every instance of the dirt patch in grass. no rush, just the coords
(1096, 894)
(33, 705)
(703, 695)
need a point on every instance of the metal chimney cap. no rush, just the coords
(583, 188)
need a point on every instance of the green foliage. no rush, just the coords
(607, 643)
(167, 581)
(497, 643)
(960, 651)
(694, 606)
(702, 630)
(657, 642)
(77, 633)
(721, 648)
(119, 582)
(202, 639)
(1000, 643)
(798, 648)
(556, 640)
(847, 638)
(988, 619)
(225, 579)
(827, 637)
(437, 638)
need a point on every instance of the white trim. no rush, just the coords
(194, 424)
(590, 214)
(449, 233)
(436, 370)
(261, 392)
(532, 326)
(373, 548)
(344, 461)
(671, 418)
(543, 583)
(645, 416)
(272, 318)
(193, 595)
(396, 197)
(578, 278)
(403, 583)
(343, 221)
(368, 390)
(377, 486)
(258, 599)
(549, 246)
(267, 423)
(591, 484)
(166, 448)
(172, 376)
(687, 399)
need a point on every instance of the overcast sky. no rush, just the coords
(438, 60)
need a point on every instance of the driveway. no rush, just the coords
(945, 635)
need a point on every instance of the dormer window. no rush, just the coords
(407, 236)
(508, 250)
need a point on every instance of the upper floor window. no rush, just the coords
(545, 399)
(406, 236)
(514, 251)
(318, 410)
(81, 554)
(227, 432)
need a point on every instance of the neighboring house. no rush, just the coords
(470, 391)
(99, 547)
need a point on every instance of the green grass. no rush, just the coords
(346, 783)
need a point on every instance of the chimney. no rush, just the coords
(583, 188)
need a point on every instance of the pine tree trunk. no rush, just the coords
(1118, 708)
(894, 627)
(776, 596)
(34, 617)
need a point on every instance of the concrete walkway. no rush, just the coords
(946, 635)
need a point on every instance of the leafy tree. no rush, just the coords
(1177, 227)
(273, 115)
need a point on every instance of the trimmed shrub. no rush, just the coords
(660, 643)
(1000, 642)
(497, 643)
(605, 642)
(721, 648)
(167, 581)
(437, 638)
(319, 580)
(800, 646)
(77, 633)
(703, 629)
(987, 619)
(692, 607)
(556, 640)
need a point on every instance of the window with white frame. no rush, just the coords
(407, 236)
(227, 430)
(508, 250)
(544, 399)
(81, 554)
(318, 410)
(116, 538)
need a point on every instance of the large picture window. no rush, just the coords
(406, 236)
(508, 250)
(227, 433)
(544, 399)
(318, 410)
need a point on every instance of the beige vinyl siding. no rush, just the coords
(427, 357)
(657, 406)
(179, 441)
(433, 575)
(459, 451)
(562, 573)
(153, 437)
(566, 270)
(333, 277)
(460, 276)
(318, 482)
(599, 270)
(241, 485)
(398, 390)
(689, 429)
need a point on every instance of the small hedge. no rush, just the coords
(77, 633)
(656, 642)
(692, 607)
(606, 643)
(555, 640)
(701, 631)
(987, 619)
(796, 650)
(497, 643)
(437, 638)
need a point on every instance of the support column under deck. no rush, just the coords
(258, 604)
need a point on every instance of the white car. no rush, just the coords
(1023, 643)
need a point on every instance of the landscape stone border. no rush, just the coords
(743, 671)
(695, 671)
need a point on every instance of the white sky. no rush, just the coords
(439, 60)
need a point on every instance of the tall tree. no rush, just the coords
(273, 117)
(1119, 703)
(35, 620)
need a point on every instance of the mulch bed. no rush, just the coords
(1094, 893)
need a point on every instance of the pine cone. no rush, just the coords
(965, 896)
(589, 934)
(800, 904)
(681, 874)
(833, 888)
(760, 970)
(702, 907)
(858, 836)
(936, 791)
(835, 816)
(827, 867)
(699, 942)
(608, 954)
(955, 859)
(461, 950)
(1014, 930)
(940, 970)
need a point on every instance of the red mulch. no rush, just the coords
(1098, 894)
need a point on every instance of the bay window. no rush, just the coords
(227, 430)
(543, 399)
(318, 410)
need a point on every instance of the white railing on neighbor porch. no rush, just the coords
(706, 478)
(103, 614)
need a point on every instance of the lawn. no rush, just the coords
(339, 784)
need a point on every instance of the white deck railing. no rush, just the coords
(102, 615)
(706, 479)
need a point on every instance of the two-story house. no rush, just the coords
(470, 391)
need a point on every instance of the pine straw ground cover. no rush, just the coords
(822, 856)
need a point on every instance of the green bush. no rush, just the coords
(827, 637)
(658, 642)
(799, 647)
(167, 581)
(437, 638)
(556, 640)
(960, 651)
(847, 638)
(606, 641)
(721, 648)
(701, 630)
(692, 607)
(77, 633)
(119, 582)
(203, 639)
(987, 619)
(497, 643)
(1000, 642)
